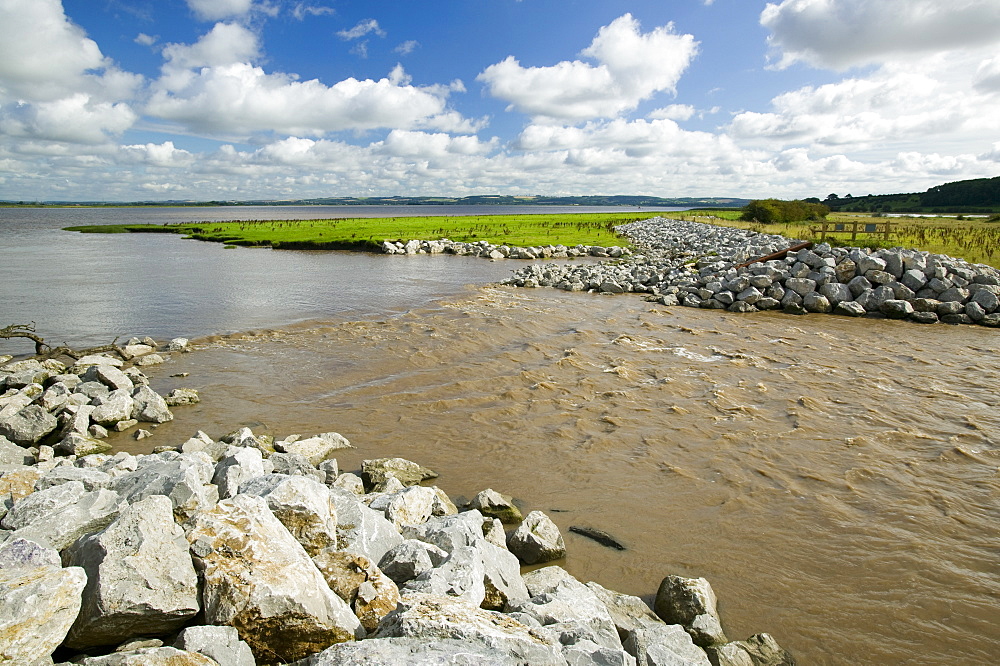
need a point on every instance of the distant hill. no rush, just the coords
(981, 195)
(482, 199)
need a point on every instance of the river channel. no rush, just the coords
(836, 480)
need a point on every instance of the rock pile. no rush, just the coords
(490, 251)
(246, 550)
(48, 408)
(700, 265)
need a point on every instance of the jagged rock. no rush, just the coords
(76, 444)
(492, 504)
(159, 656)
(367, 590)
(202, 442)
(373, 472)
(184, 478)
(182, 396)
(411, 506)
(39, 599)
(461, 575)
(315, 449)
(12, 454)
(294, 464)
(494, 532)
(92, 479)
(178, 345)
(352, 483)
(302, 505)
(239, 465)
(683, 601)
(244, 438)
(150, 359)
(58, 516)
(537, 539)
(760, 649)
(627, 612)
(411, 652)
(149, 406)
(431, 617)
(896, 309)
(116, 406)
(140, 579)
(28, 426)
(360, 529)
(108, 375)
(257, 578)
(850, 309)
(222, 644)
(329, 470)
(409, 559)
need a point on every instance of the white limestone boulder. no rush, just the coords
(39, 600)
(303, 506)
(257, 578)
(141, 581)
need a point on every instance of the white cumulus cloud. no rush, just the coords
(842, 33)
(631, 66)
(214, 10)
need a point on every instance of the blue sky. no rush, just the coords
(278, 99)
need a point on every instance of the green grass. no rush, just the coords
(977, 240)
(368, 233)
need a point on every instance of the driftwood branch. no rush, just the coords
(45, 351)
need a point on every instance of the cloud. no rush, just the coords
(145, 40)
(674, 112)
(301, 10)
(838, 34)
(369, 26)
(407, 47)
(215, 10)
(987, 78)
(77, 119)
(631, 67)
(220, 95)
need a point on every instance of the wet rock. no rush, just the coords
(896, 309)
(149, 406)
(763, 650)
(257, 578)
(221, 644)
(140, 579)
(653, 645)
(303, 506)
(431, 618)
(39, 600)
(374, 472)
(116, 406)
(537, 539)
(182, 396)
(178, 345)
(363, 586)
(685, 601)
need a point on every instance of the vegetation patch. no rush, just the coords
(529, 230)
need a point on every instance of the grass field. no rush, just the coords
(368, 233)
(975, 239)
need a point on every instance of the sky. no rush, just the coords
(152, 100)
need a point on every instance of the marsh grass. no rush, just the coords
(368, 233)
(975, 239)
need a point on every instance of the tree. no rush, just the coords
(776, 211)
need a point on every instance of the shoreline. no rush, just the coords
(74, 512)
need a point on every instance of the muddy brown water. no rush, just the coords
(835, 480)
